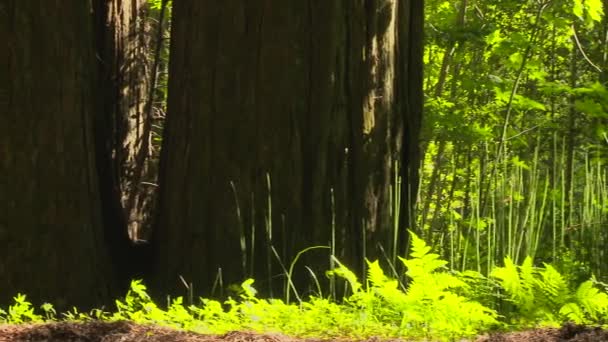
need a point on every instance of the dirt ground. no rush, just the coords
(129, 332)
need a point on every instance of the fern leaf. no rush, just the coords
(343, 272)
(509, 277)
(528, 279)
(591, 299)
(375, 274)
(573, 312)
(419, 247)
(554, 286)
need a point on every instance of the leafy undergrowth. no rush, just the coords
(438, 304)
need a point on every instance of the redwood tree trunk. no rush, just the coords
(50, 221)
(284, 120)
(123, 127)
(410, 100)
(124, 43)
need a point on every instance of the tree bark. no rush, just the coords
(50, 219)
(411, 102)
(275, 109)
(123, 36)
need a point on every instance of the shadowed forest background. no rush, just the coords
(196, 144)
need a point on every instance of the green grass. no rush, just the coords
(438, 304)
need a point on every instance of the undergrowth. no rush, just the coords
(437, 304)
(543, 296)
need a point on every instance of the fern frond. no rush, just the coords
(573, 313)
(345, 273)
(448, 281)
(375, 274)
(554, 286)
(591, 300)
(509, 277)
(419, 247)
(430, 302)
(422, 262)
(529, 282)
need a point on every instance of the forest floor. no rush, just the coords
(125, 331)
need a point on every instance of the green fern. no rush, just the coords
(429, 308)
(542, 295)
(437, 304)
(554, 286)
(588, 305)
(431, 301)
(518, 282)
(343, 272)
(383, 286)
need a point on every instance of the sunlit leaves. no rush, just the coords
(592, 8)
(516, 59)
(578, 8)
(157, 4)
(595, 9)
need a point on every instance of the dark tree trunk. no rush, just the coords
(275, 108)
(123, 129)
(411, 100)
(124, 42)
(50, 219)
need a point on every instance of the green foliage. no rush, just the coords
(588, 10)
(245, 313)
(429, 308)
(587, 305)
(157, 4)
(542, 295)
(20, 312)
(515, 132)
(431, 298)
(437, 304)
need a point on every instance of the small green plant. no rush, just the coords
(20, 312)
(50, 313)
(138, 306)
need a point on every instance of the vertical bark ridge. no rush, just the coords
(50, 221)
(299, 91)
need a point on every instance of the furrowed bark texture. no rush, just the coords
(123, 42)
(122, 131)
(410, 102)
(50, 222)
(284, 120)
